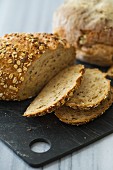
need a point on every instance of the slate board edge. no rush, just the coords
(60, 155)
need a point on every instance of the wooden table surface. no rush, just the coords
(36, 16)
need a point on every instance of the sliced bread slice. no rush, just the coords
(92, 91)
(79, 117)
(56, 92)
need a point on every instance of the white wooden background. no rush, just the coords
(36, 16)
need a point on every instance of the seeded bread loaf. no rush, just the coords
(56, 92)
(92, 91)
(79, 117)
(88, 25)
(29, 61)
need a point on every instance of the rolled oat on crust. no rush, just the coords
(79, 117)
(56, 92)
(29, 61)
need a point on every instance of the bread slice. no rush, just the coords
(92, 91)
(110, 72)
(56, 92)
(79, 117)
(29, 61)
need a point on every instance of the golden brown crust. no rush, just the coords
(78, 117)
(17, 53)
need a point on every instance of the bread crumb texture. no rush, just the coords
(92, 91)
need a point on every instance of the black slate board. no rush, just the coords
(64, 139)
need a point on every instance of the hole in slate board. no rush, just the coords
(40, 145)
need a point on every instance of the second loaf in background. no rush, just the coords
(88, 25)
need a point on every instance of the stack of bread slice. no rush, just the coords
(77, 95)
(92, 99)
